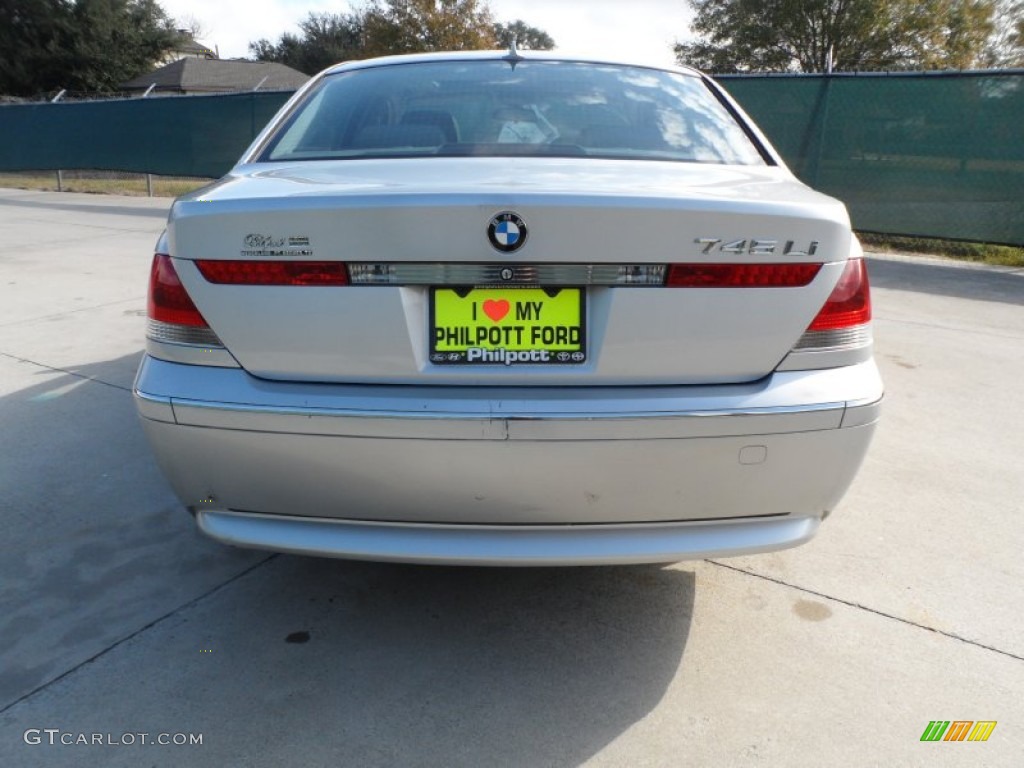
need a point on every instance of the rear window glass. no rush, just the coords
(492, 108)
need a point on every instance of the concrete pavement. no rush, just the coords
(117, 618)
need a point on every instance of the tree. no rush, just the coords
(117, 40)
(966, 31)
(412, 26)
(525, 36)
(803, 35)
(80, 45)
(36, 37)
(386, 27)
(325, 39)
(1006, 44)
(190, 25)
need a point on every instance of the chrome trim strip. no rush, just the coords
(787, 403)
(154, 407)
(506, 545)
(518, 423)
(864, 402)
(157, 399)
(862, 412)
(502, 413)
(509, 273)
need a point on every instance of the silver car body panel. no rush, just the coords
(580, 212)
(485, 456)
(696, 427)
(506, 545)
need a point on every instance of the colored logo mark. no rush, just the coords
(507, 232)
(958, 730)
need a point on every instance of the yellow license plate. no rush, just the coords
(507, 326)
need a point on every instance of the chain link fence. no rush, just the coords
(936, 155)
(104, 182)
(98, 181)
(921, 154)
(188, 136)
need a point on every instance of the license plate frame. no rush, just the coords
(465, 310)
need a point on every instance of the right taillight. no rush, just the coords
(844, 320)
(173, 317)
(850, 301)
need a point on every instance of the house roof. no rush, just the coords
(194, 75)
(191, 47)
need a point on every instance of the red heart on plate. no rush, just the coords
(496, 309)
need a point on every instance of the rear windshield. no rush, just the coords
(491, 108)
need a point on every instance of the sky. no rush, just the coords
(638, 31)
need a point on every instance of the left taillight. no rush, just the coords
(310, 273)
(173, 316)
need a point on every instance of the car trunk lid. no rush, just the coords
(604, 226)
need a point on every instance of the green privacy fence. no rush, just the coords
(176, 136)
(936, 155)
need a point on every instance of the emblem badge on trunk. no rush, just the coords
(507, 232)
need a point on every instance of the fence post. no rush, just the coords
(814, 142)
(60, 181)
(149, 184)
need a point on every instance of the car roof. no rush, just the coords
(504, 55)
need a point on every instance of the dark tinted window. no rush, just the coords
(491, 108)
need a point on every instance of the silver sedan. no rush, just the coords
(502, 308)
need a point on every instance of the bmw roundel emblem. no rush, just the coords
(507, 232)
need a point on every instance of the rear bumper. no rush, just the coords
(506, 545)
(463, 474)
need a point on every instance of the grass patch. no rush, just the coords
(133, 185)
(983, 253)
